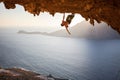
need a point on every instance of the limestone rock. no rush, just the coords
(99, 10)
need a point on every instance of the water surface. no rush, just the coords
(77, 59)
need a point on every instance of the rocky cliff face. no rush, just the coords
(23, 74)
(99, 10)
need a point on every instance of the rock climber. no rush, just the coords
(67, 22)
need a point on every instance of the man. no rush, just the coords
(67, 22)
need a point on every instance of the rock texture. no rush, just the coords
(99, 10)
(23, 74)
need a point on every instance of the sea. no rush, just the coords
(63, 57)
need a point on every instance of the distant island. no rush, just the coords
(83, 30)
(25, 32)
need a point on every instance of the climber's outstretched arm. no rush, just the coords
(63, 16)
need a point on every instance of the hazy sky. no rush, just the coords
(18, 17)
